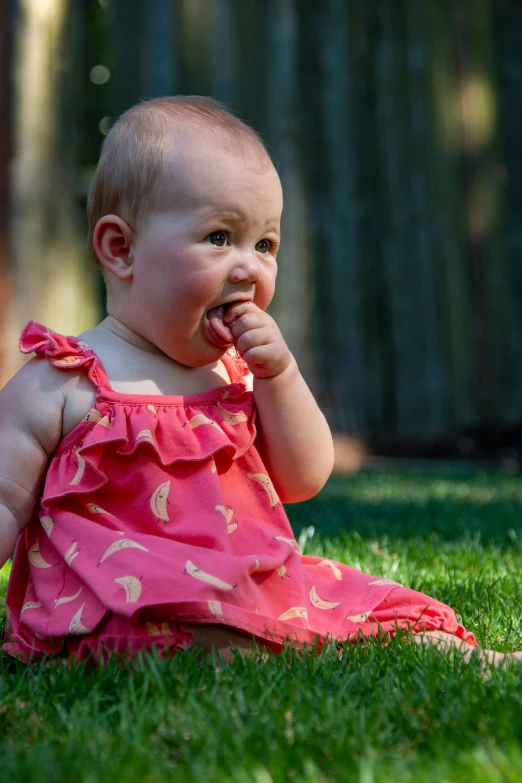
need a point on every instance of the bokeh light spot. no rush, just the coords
(99, 74)
(104, 125)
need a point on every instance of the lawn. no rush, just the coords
(396, 713)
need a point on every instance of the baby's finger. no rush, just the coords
(251, 339)
(236, 309)
(257, 355)
(247, 322)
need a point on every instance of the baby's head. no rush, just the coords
(129, 179)
(184, 217)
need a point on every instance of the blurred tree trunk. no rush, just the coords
(52, 281)
(342, 323)
(5, 156)
(143, 55)
(449, 241)
(293, 301)
(508, 18)
(485, 197)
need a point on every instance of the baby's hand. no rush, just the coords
(257, 339)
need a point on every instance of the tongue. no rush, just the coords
(221, 331)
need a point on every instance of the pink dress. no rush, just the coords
(157, 511)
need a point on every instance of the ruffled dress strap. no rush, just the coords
(63, 352)
(236, 367)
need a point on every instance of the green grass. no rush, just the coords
(396, 713)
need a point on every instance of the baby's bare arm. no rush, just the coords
(296, 443)
(31, 406)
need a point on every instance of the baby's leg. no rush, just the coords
(223, 640)
(405, 607)
(445, 642)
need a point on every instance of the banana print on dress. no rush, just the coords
(47, 524)
(336, 571)
(145, 436)
(228, 513)
(35, 557)
(199, 419)
(358, 618)
(71, 553)
(123, 543)
(132, 587)
(159, 500)
(81, 467)
(289, 541)
(95, 509)
(203, 576)
(319, 603)
(215, 608)
(92, 415)
(76, 627)
(67, 598)
(30, 605)
(295, 611)
(232, 418)
(266, 483)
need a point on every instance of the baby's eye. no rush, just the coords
(263, 246)
(217, 238)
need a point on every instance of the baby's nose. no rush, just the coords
(245, 270)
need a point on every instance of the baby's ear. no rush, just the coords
(112, 240)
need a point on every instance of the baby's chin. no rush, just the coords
(191, 347)
(197, 358)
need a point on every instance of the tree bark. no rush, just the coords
(5, 156)
(53, 283)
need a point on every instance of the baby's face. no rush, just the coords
(214, 242)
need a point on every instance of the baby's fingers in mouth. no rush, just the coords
(235, 310)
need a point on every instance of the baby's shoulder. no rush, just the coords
(32, 401)
(36, 380)
(42, 397)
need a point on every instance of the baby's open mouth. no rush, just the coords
(219, 332)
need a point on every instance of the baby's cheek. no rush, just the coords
(264, 295)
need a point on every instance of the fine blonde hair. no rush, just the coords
(128, 177)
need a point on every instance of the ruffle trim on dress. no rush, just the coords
(61, 351)
(172, 433)
(174, 428)
(240, 364)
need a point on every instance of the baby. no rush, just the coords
(143, 464)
